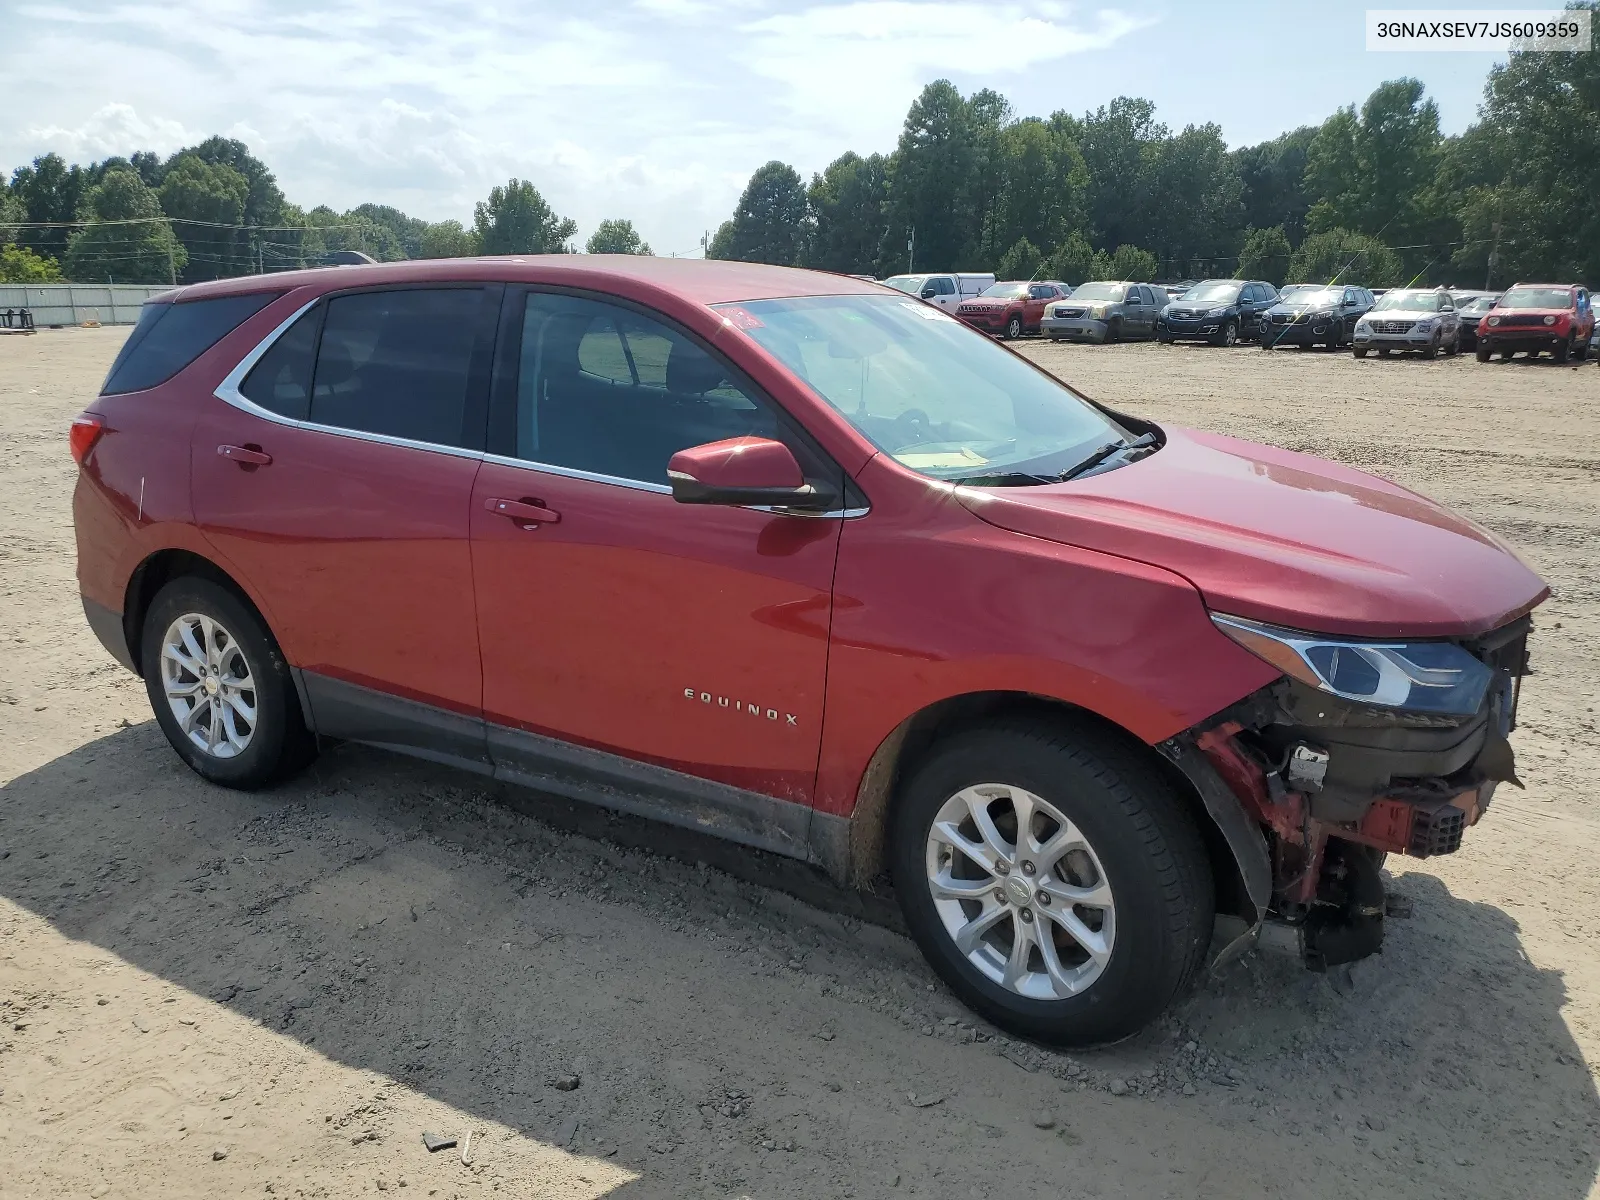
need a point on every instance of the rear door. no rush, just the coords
(334, 469)
(673, 651)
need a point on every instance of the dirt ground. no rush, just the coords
(204, 993)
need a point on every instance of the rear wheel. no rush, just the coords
(220, 688)
(1053, 879)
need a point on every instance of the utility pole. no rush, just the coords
(911, 252)
(705, 244)
(1494, 253)
(172, 266)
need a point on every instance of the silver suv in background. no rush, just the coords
(1105, 311)
(1421, 319)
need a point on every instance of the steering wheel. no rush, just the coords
(917, 427)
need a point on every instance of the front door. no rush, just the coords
(620, 627)
(335, 474)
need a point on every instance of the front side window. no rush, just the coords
(606, 390)
(939, 397)
(170, 336)
(398, 364)
(945, 285)
(911, 285)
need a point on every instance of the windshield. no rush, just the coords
(1478, 304)
(939, 397)
(1537, 298)
(911, 285)
(1290, 289)
(1007, 291)
(1212, 293)
(1100, 291)
(1322, 296)
(1415, 301)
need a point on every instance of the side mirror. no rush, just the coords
(741, 471)
(928, 293)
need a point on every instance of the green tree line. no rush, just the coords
(1375, 194)
(214, 210)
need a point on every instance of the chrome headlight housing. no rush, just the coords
(1363, 327)
(1422, 326)
(1431, 677)
(1549, 320)
(1216, 312)
(1494, 320)
(1097, 312)
(1324, 315)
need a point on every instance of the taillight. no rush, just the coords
(85, 432)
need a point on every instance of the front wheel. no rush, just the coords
(1561, 352)
(1359, 351)
(1228, 335)
(1053, 879)
(220, 688)
(1013, 329)
(1483, 352)
(1453, 347)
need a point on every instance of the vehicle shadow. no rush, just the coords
(405, 921)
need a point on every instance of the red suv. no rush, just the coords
(1557, 317)
(792, 558)
(1011, 309)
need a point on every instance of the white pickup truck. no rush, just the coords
(946, 291)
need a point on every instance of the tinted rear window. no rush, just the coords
(398, 364)
(169, 337)
(281, 381)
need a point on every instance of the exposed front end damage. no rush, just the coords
(1326, 787)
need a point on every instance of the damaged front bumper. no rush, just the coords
(1310, 791)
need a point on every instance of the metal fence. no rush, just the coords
(57, 304)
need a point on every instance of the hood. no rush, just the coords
(1300, 306)
(1282, 537)
(1402, 314)
(1202, 305)
(1541, 313)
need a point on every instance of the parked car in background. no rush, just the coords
(1105, 311)
(1219, 311)
(1309, 316)
(1557, 317)
(947, 291)
(1420, 319)
(1472, 307)
(623, 529)
(1012, 309)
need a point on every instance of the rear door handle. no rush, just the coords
(251, 455)
(523, 512)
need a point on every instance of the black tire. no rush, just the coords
(1505, 355)
(279, 743)
(1483, 352)
(1265, 342)
(1013, 329)
(1580, 351)
(1359, 351)
(1228, 335)
(1144, 837)
(1383, 352)
(1562, 352)
(1431, 350)
(1453, 347)
(1114, 330)
(1165, 339)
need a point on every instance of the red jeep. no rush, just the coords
(799, 560)
(1557, 317)
(1011, 309)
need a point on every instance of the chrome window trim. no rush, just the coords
(228, 392)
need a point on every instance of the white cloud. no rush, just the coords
(657, 110)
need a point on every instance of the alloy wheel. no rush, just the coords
(1020, 891)
(208, 685)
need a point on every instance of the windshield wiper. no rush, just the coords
(1143, 441)
(1003, 479)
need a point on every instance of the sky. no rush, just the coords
(655, 110)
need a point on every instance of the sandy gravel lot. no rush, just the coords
(206, 994)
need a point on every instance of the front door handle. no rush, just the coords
(252, 456)
(525, 512)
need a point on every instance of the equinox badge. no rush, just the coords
(755, 710)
